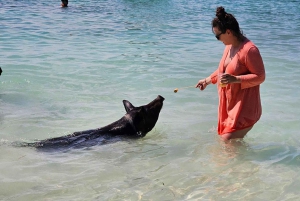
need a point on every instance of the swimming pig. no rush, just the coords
(136, 123)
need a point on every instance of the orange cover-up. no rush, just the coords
(239, 103)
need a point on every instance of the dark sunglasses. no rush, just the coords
(218, 36)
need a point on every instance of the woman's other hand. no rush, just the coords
(202, 84)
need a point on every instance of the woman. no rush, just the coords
(240, 72)
(64, 3)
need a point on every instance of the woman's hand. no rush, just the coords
(228, 79)
(202, 84)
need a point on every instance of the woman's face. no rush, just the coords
(223, 37)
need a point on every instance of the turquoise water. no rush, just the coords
(67, 70)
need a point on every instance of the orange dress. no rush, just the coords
(239, 103)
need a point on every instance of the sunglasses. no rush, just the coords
(218, 36)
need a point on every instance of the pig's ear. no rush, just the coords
(128, 106)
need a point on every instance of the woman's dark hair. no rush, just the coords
(65, 3)
(224, 21)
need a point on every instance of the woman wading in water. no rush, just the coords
(240, 72)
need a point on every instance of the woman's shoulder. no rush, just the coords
(247, 50)
(248, 45)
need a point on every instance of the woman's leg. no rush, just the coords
(236, 134)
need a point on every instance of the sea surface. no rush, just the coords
(67, 70)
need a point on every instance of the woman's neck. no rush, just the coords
(237, 42)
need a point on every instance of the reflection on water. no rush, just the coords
(241, 170)
(155, 167)
(276, 154)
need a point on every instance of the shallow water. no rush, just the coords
(68, 70)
